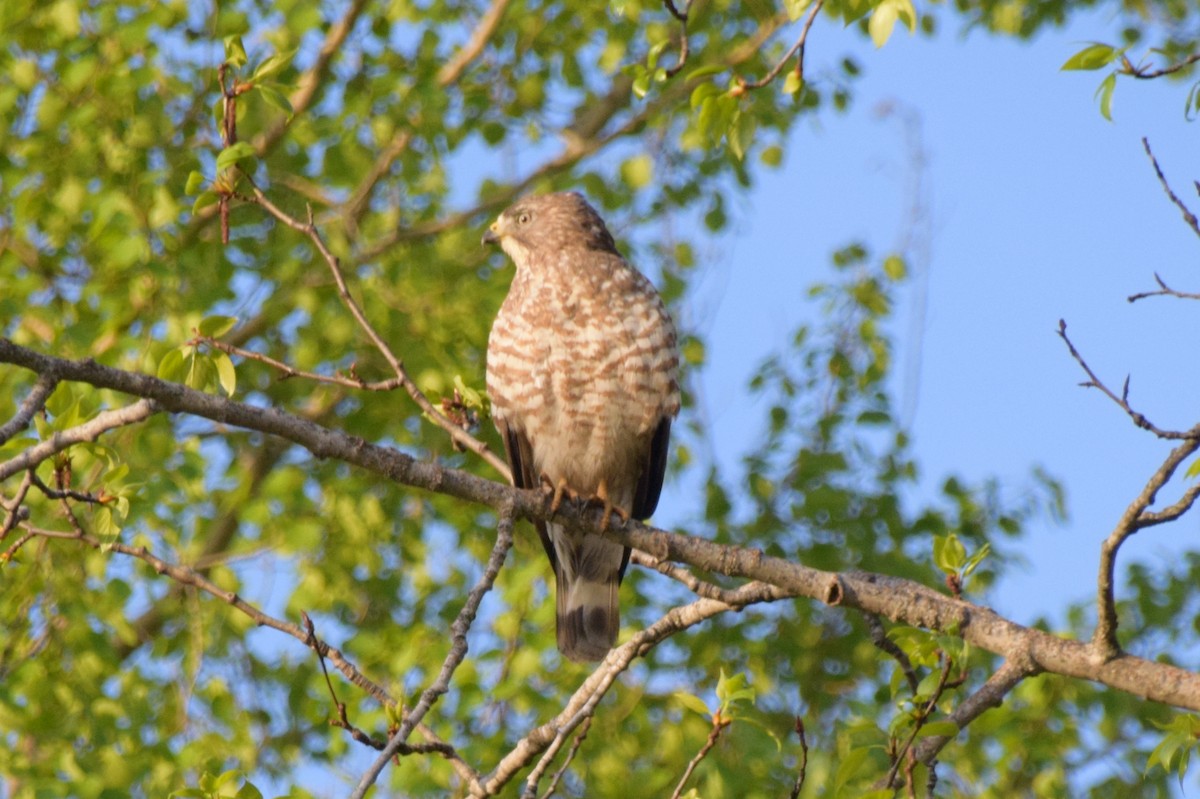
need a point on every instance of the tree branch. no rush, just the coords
(457, 433)
(452, 70)
(1145, 73)
(88, 431)
(1163, 291)
(34, 401)
(1135, 518)
(458, 651)
(188, 577)
(894, 598)
(991, 694)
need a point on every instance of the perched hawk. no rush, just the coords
(582, 372)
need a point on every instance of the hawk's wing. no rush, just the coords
(520, 460)
(649, 485)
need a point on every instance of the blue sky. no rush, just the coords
(1040, 210)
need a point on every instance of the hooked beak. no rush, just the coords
(491, 236)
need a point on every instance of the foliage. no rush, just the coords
(130, 236)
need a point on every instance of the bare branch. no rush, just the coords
(88, 431)
(1123, 400)
(458, 651)
(34, 401)
(684, 45)
(1188, 216)
(693, 583)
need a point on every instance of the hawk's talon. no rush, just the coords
(609, 507)
(557, 490)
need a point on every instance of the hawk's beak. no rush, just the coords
(491, 236)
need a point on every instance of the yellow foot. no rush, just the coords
(609, 507)
(556, 490)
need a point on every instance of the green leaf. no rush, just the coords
(195, 180)
(1105, 95)
(938, 728)
(636, 172)
(171, 367)
(883, 21)
(793, 82)
(1194, 469)
(704, 72)
(272, 65)
(894, 267)
(796, 8)
(234, 154)
(204, 200)
(235, 52)
(226, 375)
(216, 326)
(276, 98)
(1095, 56)
(693, 702)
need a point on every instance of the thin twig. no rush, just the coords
(188, 577)
(457, 433)
(718, 725)
(923, 714)
(1163, 291)
(797, 50)
(290, 371)
(1145, 73)
(16, 511)
(684, 46)
(889, 647)
(802, 768)
(458, 651)
(550, 736)
(989, 695)
(1123, 400)
(1188, 216)
(558, 775)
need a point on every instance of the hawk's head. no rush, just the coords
(548, 223)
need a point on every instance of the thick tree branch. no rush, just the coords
(893, 598)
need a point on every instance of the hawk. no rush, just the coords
(582, 371)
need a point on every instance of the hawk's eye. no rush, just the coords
(524, 217)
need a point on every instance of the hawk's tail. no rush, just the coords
(587, 573)
(588, 616)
